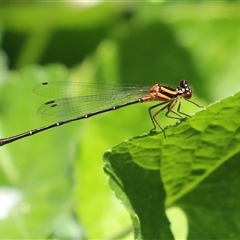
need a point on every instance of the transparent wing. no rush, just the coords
(60, 89)
(79, 99)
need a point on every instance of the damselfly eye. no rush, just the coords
(183, 83)
(187, 91)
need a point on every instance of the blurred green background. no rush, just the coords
(52, 184)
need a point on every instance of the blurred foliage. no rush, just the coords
(57, 176)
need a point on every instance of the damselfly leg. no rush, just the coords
(169, 106)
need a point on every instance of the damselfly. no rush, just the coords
(76, 100)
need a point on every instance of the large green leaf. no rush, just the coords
(192, 164)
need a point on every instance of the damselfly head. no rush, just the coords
(187, 91)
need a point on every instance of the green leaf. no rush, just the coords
(141, 191)
(192, 160)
